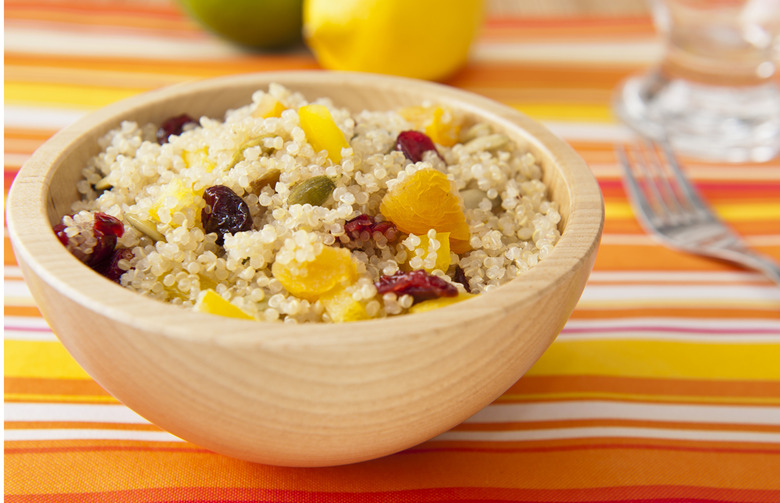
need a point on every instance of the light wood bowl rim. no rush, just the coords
(27, 215)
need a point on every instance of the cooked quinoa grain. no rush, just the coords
(332, 203)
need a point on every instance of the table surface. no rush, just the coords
(663, 386)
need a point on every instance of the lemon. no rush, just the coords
(257, 24)
(427, 39)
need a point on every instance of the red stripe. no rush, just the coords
(645, 494)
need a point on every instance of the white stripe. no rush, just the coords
(116, 45)
(12, 271)
(686, 293)
(15, 288)
(495, 413)
(83, 434)
(602, 409)
(25, 322)
(644, 51)
(29, 335)
(675, 276)
(71, 412)
(609, 432)
(694, 323)
(15, 160)
(647, 240)
(40, 117)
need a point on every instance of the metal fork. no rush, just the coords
(670, 207)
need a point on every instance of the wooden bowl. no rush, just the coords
(300, 395)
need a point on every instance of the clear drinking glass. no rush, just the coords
(715, 94)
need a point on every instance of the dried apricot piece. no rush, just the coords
(427, 200)
(430, 305)
(268, 106)
(439, 123)
(211, 302)
(331, 267)
(442, 253)
(321, 131)
(341, 307)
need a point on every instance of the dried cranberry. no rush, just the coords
(104, 229)
(59, 231)
(363, 228)
(173, 126)
(225, 212)
(108, 224)
(360, 227)
(414, 144)
(419, 284)
(110, 269)
(387, 229)
(460, 277)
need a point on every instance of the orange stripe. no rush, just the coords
(522, 75)
(48, 425)
(678, 390)
(11, 310)
(53, 387)
(169, 25)
(658, 258)
(200, 67)
(617, 423)
(122, 10)
(675, 463)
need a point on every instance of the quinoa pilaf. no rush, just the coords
(297, 211)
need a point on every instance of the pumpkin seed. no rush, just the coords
(103, 184)
(270, 177)
(472, 198)
(489, 142)
(145, 227)
(256, 141)
(314, 191)
(475, 131)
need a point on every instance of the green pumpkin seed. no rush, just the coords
(238, 155)
(145, 227)
(270, 177)
(314, 191)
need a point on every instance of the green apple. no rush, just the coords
(257, 24)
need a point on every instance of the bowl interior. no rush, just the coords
(46, 186)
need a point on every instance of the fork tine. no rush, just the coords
(635, 193)
(668, 192)
(689, 192)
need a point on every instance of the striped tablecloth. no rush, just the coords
(663, 386)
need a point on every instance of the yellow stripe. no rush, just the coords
(40, 359)
(566, 112)
(30, 397)
(661, 359)
(732, 212)
(623, 397)
(65, 95)
(667, 359)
